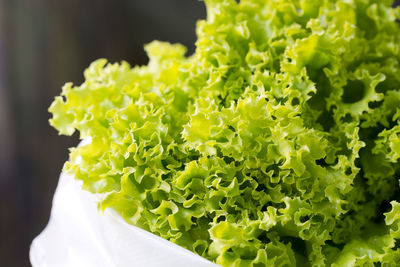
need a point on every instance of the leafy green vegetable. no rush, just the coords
(277, 143)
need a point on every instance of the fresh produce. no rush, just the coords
(277, 143)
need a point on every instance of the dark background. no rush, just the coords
(44, 44)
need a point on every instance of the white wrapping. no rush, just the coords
(79, 235)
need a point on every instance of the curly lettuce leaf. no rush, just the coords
(275, 144)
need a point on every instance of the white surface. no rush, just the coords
(79, 235)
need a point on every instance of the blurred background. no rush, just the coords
(44, 44)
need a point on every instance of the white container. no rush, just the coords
(79, 235)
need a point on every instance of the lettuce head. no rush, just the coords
(277, 143)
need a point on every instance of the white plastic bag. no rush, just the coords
(78, 234)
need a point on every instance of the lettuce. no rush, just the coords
(277, 143)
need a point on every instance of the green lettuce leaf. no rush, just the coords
(277, 143)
